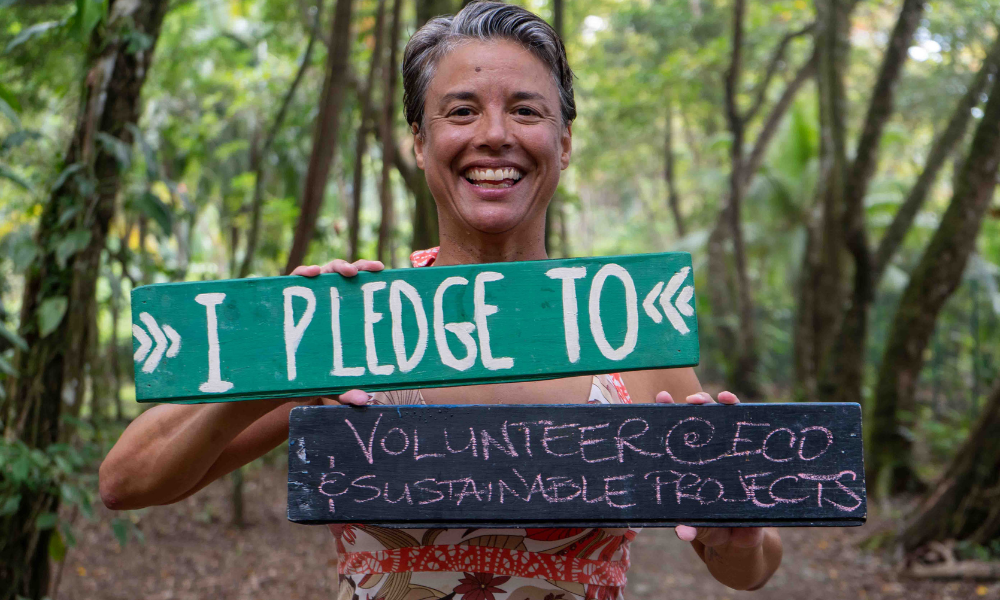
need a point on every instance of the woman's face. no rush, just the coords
(493, 142)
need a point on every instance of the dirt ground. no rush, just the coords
(192, 552)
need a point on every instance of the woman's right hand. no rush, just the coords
(347, 269)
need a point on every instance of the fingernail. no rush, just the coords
(371, 398)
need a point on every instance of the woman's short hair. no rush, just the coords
(482, 21)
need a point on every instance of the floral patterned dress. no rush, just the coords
(378, 563)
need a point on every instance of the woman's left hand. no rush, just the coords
(720, 539)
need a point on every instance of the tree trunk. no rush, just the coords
(740, 330)
(428, 9)
(325, 139)
(821, 275)
(843, 381)
(553, 212)
(258, 155)
(425, 220)
(236, 499)
(54, 363)
(361, 139)
(668, 171)
(386, 228)
(113, 350)
(963, 504)
(941, 148)
(933, 281)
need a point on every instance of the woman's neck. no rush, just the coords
(459, 246)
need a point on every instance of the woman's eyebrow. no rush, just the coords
(528, 96)
(463, 95)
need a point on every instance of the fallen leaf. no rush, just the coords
(981, 590)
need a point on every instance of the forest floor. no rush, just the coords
(191, 551)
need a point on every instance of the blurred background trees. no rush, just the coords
(830, 164)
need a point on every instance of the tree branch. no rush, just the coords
(258, 156)
(772, 68)
(766, 135)
(942, 147)
(879, 110)
(733, 73)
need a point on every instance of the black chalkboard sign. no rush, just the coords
(577, 465)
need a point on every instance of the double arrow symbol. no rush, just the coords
(161, 342)
(679, 307)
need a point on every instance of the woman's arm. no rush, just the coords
(171, 451)
(743, 558)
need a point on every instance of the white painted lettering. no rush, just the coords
(461, 330)
(569, 275)
(481, 311)
(215, 383)
(631, 312)
(398, 289)
(372, 317)
(294, 331)
(339, 370)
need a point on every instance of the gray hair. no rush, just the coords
(482, 21)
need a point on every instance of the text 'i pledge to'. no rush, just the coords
(477, 347)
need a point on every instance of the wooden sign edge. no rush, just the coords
(854, 521)
(362, 276)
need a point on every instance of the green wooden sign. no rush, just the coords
(409, 328)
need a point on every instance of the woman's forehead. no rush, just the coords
(478, 68)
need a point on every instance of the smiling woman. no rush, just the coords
(488, 95)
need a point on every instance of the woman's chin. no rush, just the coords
(495, 219)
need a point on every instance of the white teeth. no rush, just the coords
(479, 175)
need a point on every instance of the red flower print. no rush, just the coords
(602, 592)
(551, 534)
(480, 586)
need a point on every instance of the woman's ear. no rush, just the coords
(566, 141)
(418, 145)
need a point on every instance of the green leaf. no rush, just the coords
(57, 548)
(68, 215)
(13, 338)
(117, 148)
(152, 166)
(20, 468)
(46, 521)
(150, 205)
(50, 314)
(68, 536)
(66, 174)
(7, 368)
(71, 244)
(8, 111)
(23, 254)
(5, 94)
(7, 173)
(88, 14)
(120, 530)
(10, 505)
(18, 138)
(31, 32)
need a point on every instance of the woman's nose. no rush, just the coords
(493, 131)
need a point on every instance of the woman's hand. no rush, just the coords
(740, 557)
(347, 269)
